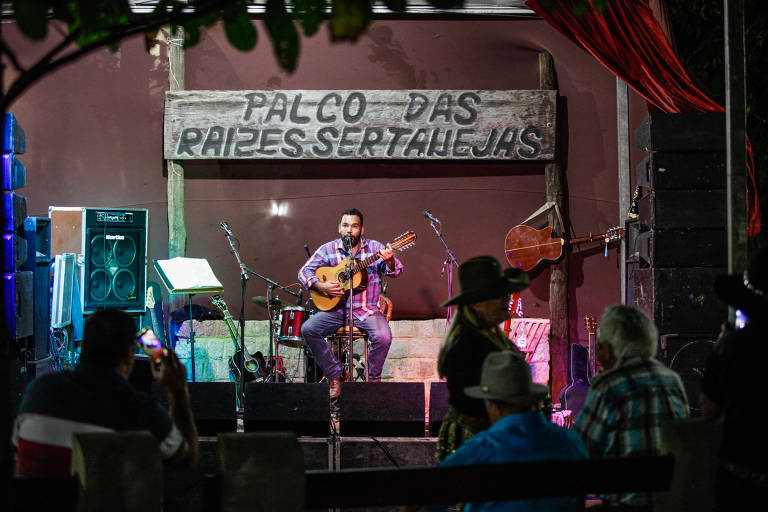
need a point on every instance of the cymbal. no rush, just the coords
(261, 300)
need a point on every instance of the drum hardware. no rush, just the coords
(262, 301)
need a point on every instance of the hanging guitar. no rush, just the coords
(525, 247)
(253, 367)
(340, 273)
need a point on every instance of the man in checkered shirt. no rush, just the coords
(629, 402)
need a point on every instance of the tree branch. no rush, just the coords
(49, 62)
(4, 48)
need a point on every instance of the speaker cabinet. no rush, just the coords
(213, 405)
(112, 246)
(689, 131)
(382, 409)
(683, 248)
(690, 170)
(286, 406)
(683, 209)
(688, 357)
(680, 300)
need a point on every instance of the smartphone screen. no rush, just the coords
(149, 342)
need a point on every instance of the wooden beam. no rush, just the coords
(735, 129)
(177, 229)
(558, 280)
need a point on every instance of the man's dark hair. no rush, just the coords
(352, 211)
(108, 337)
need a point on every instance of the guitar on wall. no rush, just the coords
(340, 273)
(581, 369)
(525, 246)
(255, 367)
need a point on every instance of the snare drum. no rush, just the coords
(291, 320)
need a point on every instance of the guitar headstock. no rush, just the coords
(613, 234)
(219, 303)
(404, 241)
(590, 323)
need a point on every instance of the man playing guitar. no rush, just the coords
(367, 316)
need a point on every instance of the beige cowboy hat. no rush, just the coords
(482, 278)
(506, 377)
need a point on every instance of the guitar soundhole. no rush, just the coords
(343, 277)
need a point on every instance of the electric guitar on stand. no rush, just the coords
(340, 273)
(253, 368)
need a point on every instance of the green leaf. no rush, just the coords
(283, 33)
(31, 17)
(311, 13)
(349, 18)
(240, 31)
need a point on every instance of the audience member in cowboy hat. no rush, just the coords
(735, 371)
(481, 305)
(519, 431)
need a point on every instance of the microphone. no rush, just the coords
(306, 248)
(431, 217)
(225, 227)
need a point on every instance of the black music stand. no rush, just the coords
(188, 276)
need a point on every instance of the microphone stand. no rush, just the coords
(351, 325)
(241, 319)
(450, 261)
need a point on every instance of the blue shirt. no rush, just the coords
(625, 411)
(364, 302)
(521, 437)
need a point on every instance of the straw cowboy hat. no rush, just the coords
(506, 377)
(482, 278)
(748, 291)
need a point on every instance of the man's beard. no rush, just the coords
(350, 241)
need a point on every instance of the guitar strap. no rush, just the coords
(544, 208)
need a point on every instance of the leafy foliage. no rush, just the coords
(698, 31)
(93, 24)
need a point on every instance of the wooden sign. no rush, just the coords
(374, 124)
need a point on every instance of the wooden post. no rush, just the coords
(177, 229)
(735, 129)
(558, 279)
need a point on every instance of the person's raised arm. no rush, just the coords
(172, 375)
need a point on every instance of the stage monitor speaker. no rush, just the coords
(688, 357)
(286, 406)
(213, 405)
(392, 409)
(112, 244)
(438, 405)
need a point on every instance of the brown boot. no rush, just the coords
(335, 387)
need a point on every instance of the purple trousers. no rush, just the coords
(324, 323)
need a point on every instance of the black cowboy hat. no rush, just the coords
(482, 278)
(748, 291)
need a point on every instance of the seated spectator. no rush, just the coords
(734, 371)
(96, 397)
(631, 399)
(519, 431)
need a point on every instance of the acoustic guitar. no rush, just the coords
(341, 273)
(525, 246)
(253, 367)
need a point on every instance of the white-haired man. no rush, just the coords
(628, 403)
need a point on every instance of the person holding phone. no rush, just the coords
(97, 397)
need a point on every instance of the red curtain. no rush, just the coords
(626, 38)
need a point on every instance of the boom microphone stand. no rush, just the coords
(243, 281)
(450, 259)
(351, 325)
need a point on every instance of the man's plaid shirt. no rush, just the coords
(625, 411)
